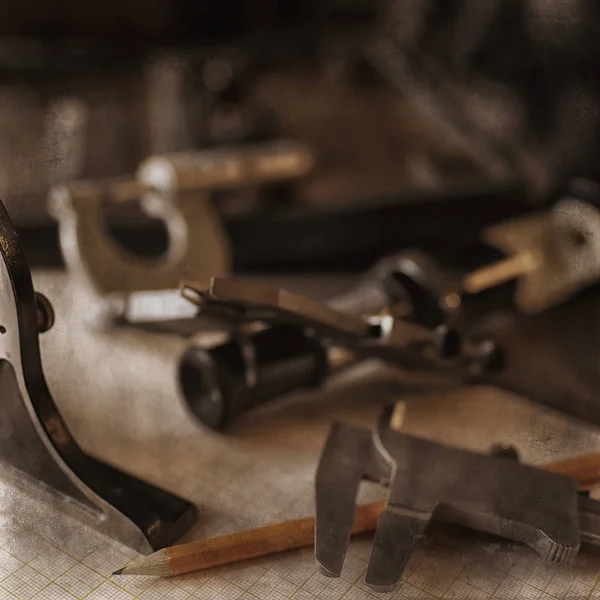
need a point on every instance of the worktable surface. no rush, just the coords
(119, 395)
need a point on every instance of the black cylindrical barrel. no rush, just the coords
(225, 381)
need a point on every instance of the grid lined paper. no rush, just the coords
(122, 388)
(450, 564)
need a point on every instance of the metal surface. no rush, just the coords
(37, 450)
(552, 254)
(492, 494)
(173, 188)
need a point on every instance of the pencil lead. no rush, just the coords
(118, 571)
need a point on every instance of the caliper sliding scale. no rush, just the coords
(427, 480)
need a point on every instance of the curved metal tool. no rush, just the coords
(173, 188)
(197, 245)
(37, 450)
(488, 493)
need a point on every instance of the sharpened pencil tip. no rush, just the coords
(118, 571)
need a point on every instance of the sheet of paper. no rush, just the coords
(118, 394)
(37, 560)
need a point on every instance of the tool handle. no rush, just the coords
(586, 469)
(222, 383)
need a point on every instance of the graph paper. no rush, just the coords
(39, 559)
(118, 394)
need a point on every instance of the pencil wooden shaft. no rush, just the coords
(290, 535)
(586, 469)
(498, 272)
(235, 547)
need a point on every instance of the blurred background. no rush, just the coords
(422, 123)
(389, 95)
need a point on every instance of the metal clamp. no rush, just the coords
(175, 189)
(37, 450)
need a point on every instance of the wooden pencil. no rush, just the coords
(586, 469)
(290, 535)
(195, 556)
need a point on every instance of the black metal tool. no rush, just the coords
(549, 357)
(493, 494)
(223, 382)
(37, 450)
